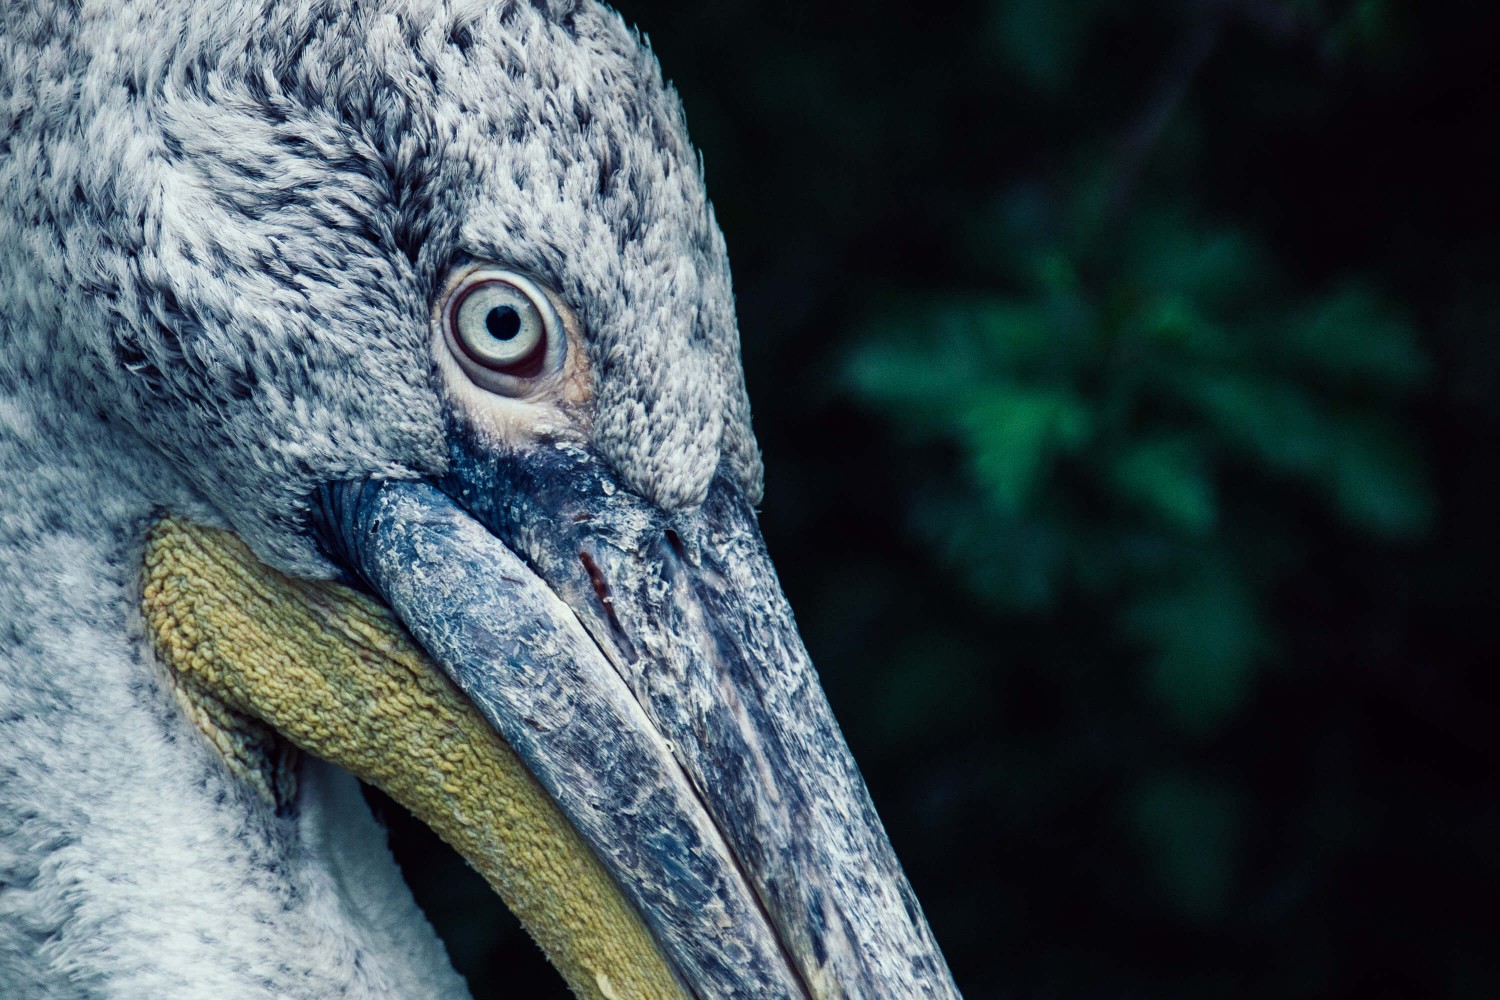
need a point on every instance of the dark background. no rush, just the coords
(1127, 379)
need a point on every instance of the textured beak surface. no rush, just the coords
(611, 716)
(260, 660)
(647, 670)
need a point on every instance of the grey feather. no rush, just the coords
(221, 227)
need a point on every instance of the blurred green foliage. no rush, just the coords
(1130, 394)
(1104, 410)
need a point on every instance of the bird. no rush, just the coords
(371, 407)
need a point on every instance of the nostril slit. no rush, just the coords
(680, 548)
(601, 591)
(596, 577)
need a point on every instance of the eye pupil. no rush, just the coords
(503, 331)
(503, 323)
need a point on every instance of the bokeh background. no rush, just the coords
(1128, 381)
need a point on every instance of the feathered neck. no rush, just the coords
(131, 861)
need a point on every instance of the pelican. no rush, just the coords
(371, 408)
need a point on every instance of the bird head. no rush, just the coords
(427, 298)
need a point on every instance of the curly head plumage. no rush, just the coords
(254, 224)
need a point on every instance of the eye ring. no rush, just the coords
(503, 330)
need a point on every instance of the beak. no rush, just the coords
(647, 671)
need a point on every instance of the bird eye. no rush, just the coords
(503, 330)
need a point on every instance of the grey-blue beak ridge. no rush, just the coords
(648, 671)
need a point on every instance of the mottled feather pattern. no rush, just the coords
(221, 228)
(235, 217)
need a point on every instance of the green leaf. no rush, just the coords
(1192, 830)
(1203, 639)
(1040, 40)
(1212, 268)
(1015, 334)
(1377, 481)
(1360, 463)
(1274, 421)
(1166, 476)
(1013, 433)
(1352, 334)
(1172, 320)
(916, 376)
(928, 359)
